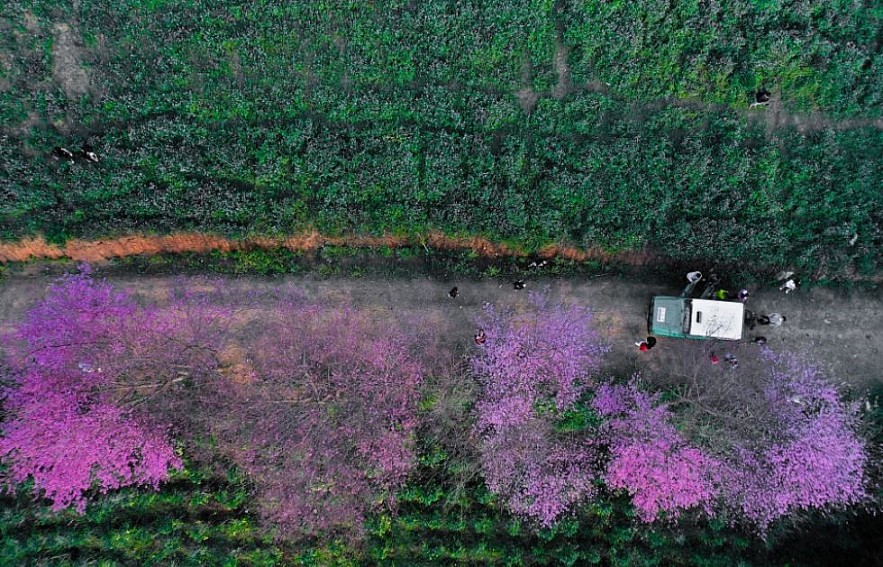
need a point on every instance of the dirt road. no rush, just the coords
(837, 328)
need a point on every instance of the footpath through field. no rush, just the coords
(838, 328)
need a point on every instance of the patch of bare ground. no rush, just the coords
(24, 127)
(234, 364)
(5, 70)
(32, 24)
(775, 116)
(67, 61)
(562, 69)
(527, 99)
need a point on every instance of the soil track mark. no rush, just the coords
(67, 66)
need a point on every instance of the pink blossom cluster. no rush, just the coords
(649, 458)
(540, 476)
(813, 458)
(544, 355)
(327, 428)
(66, 430)
(69, 444)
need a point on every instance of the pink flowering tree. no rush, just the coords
(533, 367)
(649, 458)
(781, 443)
(811, 458)
(95, 370)
(325, 426)
(68, 442)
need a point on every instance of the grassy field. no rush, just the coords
(587, 123)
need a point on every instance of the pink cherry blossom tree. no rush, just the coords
(84, 356)
(70, 442)
(326, 425)
(791, 445)
(649, 458)
(813, 456)
(533, 367)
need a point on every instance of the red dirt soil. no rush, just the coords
(107, 248)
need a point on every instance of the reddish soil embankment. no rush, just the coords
(104, 249)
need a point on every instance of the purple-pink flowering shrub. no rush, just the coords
(803, 451)
(77, 353)
(649, 458)
(533, 366)
(67, 443)
(815, 458)
(326, 428)
(540, 475)
(78, 323)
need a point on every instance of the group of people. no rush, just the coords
(772, 319)
(480, 337)
(729, 357)
(693, 278)
(86, 152)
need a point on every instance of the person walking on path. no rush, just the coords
(480, 337)
(714, 358)
(743, 295)
(731, 359)
(776, 319)
(773, 319)
(646, 344)
(722, 294)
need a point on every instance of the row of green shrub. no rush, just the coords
(202, 518)
(686, 184)
(199, 518)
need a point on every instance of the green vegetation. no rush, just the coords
(203, 518)
(357, 262)
(198, 518)
(468, 527)
(489, 118)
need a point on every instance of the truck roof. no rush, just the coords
(719, 319)
(696, 318)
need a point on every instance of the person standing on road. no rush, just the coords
(693, 278)
(776, 319)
